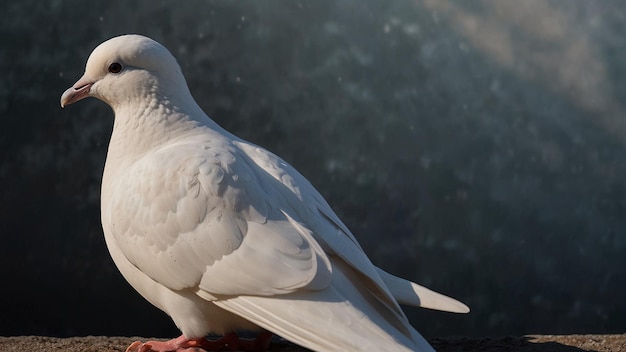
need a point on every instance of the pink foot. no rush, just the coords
(182, 344)
(230, 342)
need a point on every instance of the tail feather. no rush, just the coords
(412, 294)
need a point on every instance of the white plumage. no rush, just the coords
(223, 235)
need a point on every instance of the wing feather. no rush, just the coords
(305, 204)
(334, 319)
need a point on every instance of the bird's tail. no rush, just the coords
(412, 294)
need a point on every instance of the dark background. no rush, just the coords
(478, 148)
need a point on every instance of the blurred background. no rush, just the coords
(478, 148)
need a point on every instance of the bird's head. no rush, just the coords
(124, 68)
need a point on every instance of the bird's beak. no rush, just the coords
(78, 91)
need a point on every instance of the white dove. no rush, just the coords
(225, 236)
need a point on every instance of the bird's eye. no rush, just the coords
(115, 67)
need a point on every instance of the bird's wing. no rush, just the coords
(194, 216)
(331, 231)
(302, 202)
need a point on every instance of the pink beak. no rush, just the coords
(78, 91)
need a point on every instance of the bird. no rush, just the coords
(223, 235)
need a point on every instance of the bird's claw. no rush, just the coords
(230, 342)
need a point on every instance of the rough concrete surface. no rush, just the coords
(539, 343)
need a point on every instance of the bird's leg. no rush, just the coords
(230, 342)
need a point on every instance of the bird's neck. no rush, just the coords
(148, 124)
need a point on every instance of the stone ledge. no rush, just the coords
(538, 343)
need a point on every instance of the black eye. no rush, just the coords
(115, 67)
